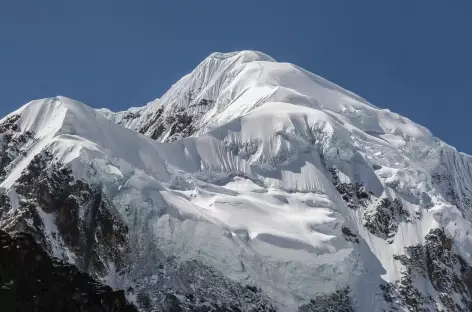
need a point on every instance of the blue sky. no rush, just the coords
(412, 57)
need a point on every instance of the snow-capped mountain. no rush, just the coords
(251, 185)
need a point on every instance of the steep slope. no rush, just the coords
(279, 191)
(32, 281)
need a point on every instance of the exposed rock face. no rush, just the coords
(179, 122)
(13, 143)
(348, 235)
(338, 301)
(384, 219)
(32, 281)
(167, 123)
(436, 263)
(85, 229)
(354, 194)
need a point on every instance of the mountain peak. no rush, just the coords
(245, 55)
(254, 184)
(226, 86)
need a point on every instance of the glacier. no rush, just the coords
(250, 183)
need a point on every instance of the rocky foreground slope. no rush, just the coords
(251, 185)
(30, 280)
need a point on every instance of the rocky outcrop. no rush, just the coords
(436, 263)
(354, 194)
(349, 236)
(30, 280)
(339, 301)
(383, 221)
(87, 230)
(13, 143)
(180, 122)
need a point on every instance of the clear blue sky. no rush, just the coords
(413, 57)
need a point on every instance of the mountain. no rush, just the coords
(251, 185)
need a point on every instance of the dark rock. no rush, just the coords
(339, 301)
(384, 219)
(181, 120)
(349, 235)
(252, 288)
(86, 221)
(354, 194)
(153, 120)
(12, 143)
(30, 280)
(206, 102)
(376, 167)
(435, 263)
(181, 124)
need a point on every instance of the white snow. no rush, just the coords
(252, 186)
